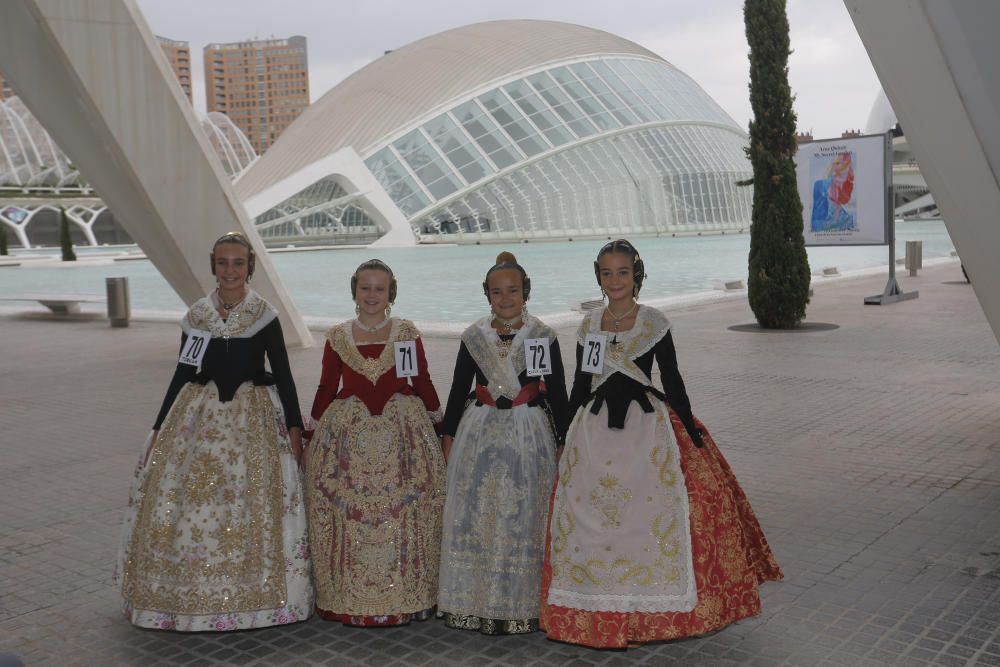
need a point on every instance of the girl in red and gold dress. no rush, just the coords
(375, 475)
(650, 535)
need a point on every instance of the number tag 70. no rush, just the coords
(194, 347)
(594, 347)
(537, 360)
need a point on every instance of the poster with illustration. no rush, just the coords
(843, 186)
(834, 207)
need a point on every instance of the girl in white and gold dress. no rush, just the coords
(651, 537)
(215, 531)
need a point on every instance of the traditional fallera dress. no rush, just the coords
(500, 476)
(651, 537)
(375, 482)
(215, 531)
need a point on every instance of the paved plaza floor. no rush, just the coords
(871, 453)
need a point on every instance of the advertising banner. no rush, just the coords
(844, 185)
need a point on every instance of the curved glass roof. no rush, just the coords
(541, 137)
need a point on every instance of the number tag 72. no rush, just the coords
(594, 347)
(537, 360)
(194, 347)
(406, 359)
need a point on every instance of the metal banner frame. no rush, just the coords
(892, 293)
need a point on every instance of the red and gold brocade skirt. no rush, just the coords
(729, 555)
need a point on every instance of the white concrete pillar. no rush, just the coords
(93, 74)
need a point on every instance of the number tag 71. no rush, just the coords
(536, 357)
(594, 347)
(194, 347)
(406, 359)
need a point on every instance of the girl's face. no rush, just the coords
(506, 293)
(372, 293)
(615, 271)
(232, 265)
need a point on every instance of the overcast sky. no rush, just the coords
(829, 70)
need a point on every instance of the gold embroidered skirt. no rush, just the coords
(618, 575)
(374, 491)
(499, 480)
(215, 531)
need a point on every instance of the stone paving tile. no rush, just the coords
(869, 453)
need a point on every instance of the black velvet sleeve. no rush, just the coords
(461, 383)
(581, 386)
(277, 356)
(183, 374)
(555, 388)
(673, 385)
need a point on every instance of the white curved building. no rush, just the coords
(505, 130)
(33, 168)
(28, 156)
(230, 144)
(912, 196)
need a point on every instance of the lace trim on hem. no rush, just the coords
(623, 604)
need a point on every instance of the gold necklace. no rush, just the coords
(507, 329)
(507, 325)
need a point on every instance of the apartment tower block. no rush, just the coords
(179, 55)
(262, 86)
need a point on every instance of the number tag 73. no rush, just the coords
(536, 357)
(406, 359)
(194, 348)
(594, 347)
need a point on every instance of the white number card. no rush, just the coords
(406, 359)
(194, 348)
(594, 348)
(536, 357)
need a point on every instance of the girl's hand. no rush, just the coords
(295, 435)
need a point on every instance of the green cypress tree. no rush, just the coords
(3, 240)
(778, 285)
(64, 238)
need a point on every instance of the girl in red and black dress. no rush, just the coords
(375, 475)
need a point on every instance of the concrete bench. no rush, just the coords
(60, 304)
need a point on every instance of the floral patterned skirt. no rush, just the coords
(612, 581)
(375, 490)
(499, 480)
(215, 531)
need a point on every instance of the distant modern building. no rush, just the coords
(506, 130)
(37, 179)
(913, 198)
(179, 55)
(262, 86)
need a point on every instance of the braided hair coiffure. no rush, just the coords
(506, 260)
(638, 266)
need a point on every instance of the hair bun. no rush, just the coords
(506, 258)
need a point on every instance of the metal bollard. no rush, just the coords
(119, 311)
(914, 256)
